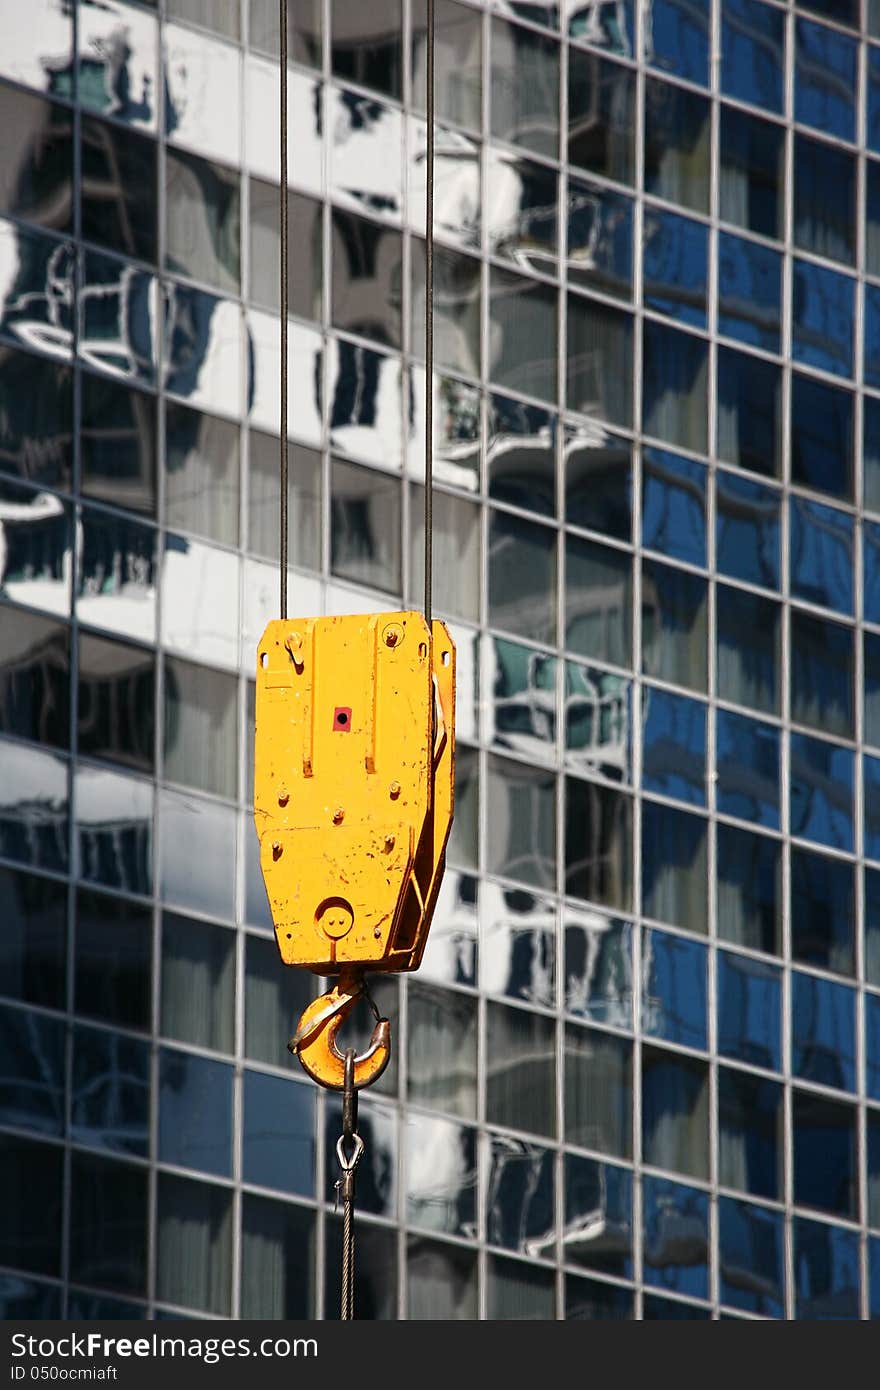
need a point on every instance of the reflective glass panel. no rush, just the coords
(522, 577)
(822, 318)
(366, 136)
(378, 1173)
(521, 1069)
(48, 66)
(117, 578)
(458, 76)
(747, 535)
(110, 1097)
(201, 473)
(872, 209)
(441, 1175)
(524, 84)
(674, 735)
(675, 1112)
(674, 506)
(674, 264)
(365, 277)
(599, 237)
(195, 1112)
(752, 53)
(748, 654)
(826, 1270)
(521, 454)
(521, 824)
(365, 526)
(825, 1165)
(822, 911)
(823, 1023)
(747, 769)
(442, 1050)
(674, 887)
(749, 412)
(451, 954)
(34, 677)
(674, 388)
(821, 674)
(37, 295)
(113, 975)
(116, 702)
(674, 625)
(304, 494)
(118, 445)
(36, 162)
(749, 996)
(520, 1195)
(305, 28)
(824, 225)
(749, 892)
(219, 15)
(751, 172)
(751, 1250)
(598, 480)
(598, 967)
(304, 250)
(364, 401)
(517, 1290)
(113, 835)
(522, 712)
(598, 1216)
(521, 211)
(197, 854)
(871, 778)
(518, 946)
(872, 335)
(32, 1066)
(36, 399)
(598, 844)
(198, 983)
(676, 145)
(193, 1260)
(108, 1224)
(117, 69)
(441, 1281)
(601, 119)
(33, 947)
(825, 79)
(522, 334)
(31, 1234)
(821, 803)
(278, 1133)
(277, 1257)
(118, 200)
(871, 687)
(676, 1237)
(203, 347)
(119, 318)
(750, 1143)
(676, 38)
(749, 292)
(598, 722)
(202, 79)
(33, 807)
(599, 351)
(200, 727)
(821, 556)
(673, 989)
(598, 593)
(272, 998)
(590, 1299)
(200, 595)
(598, 1091)
(365, 44)
(203, 217)
(375, 1277)
(457, 430)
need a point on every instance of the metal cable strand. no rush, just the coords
(429, 312)
(284, 304)
(349, 1151)
(347, 1305)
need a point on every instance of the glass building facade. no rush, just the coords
(638, 1072)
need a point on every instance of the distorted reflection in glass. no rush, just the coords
(366, 47)
(118, 444)
(749, 1001)
(110, 1092)
(674, 506)
(202, 80)
(260, 605)
(821, 799)
(118, 197)
(750, 1142)
(366, 278)
(676, 144)
(598, 368)
(304, 249)
(48, 65)
(203, 343)
(598, 1091)
(826, 1271)
(871, 778)
(822, 911)
(32, 1056)
(598, 592)
(674, 885)
(117, 62)
(749, 292)
(197, 854)
(36, 401)
(201, 473)
(120, 312)
(363, 395)
(749, 412)
(522, 576)
(305, 25)
(113, 834)
(675, 382)
(674, 622)
(113, 969)
(194, 1232)
(520, 1061)
(521, 211)
(305, 490)
(749, 649)
(442, 1049)
(278, 1133)
(749, 890)
(598, 844)
(822, 318)
(524, 85)
(33, 950)
(363, 135)
(463, 839)
(521, 824)
(34, 677)
(675, 1112)
(825, 79)
(520, 1196)
(674, 735)
(200, 614)
(36, 290)
(458, 77)
(455, 533)
(597, 1233)
(518, 945)
(202, 220)
(821, 436)
(451, 954)
(825, 1162)
(116, 716)
(459, 208)
(608, 24)
(598, 722)
(200, 727)
(116, 589)
(441, 1280)
(676, 1237)
(521, 712)
(440, 1159)
(457, 420)
(747, 537)
(306, 354)
(751, 1250)
(823, 1031)
(598, 983)
(752, 53)
(822, 674)
(824, 225)
(599, 237)
(752, 162)
(456, 308)
(601, 121)
(674, 260)
(521, 454)
(305, 121)
(36, 162)
(365, 544)
(674, 982)
(747, 765)
(821, 557)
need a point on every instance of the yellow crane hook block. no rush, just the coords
(353, 785)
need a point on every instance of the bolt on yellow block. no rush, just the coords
(354, 763)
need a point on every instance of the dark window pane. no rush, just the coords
(826, 1263)
(114, 952)
(34, 677)
(30, 1235)
(599, 361)
(601, 122)
(676, 144)
(822, 318)
(522, 334)
(674, 506)
(674, 631)
(277, 1274)
(203, 218)
(749, 1010)
(32, 1071)
(198, 982)
(108, 1224)
(674, 736)
(521, 1070)
(872, 687)
(749, 292)
(675, 383)
(674, 884)
(823, 1031)
(521, 1188)
(822, 224)
(522, 577)
(822, 552)
(366, 278)
(752, 53)
(749, 412)
(278, 1137)
(825, 79)
(33, 944)
(674, 980)
(677, 38)
(118, 449)
(598, 601)
(872, 930)
(365, 526)
(441, 1281)
(598, 483)
(193, 1265)
(110, 1103)
(747, 769)
(675, 1112)
(28, 1300)
(521, 454)
(872, 211)
(36, 162)
(600, 238)
(275, 996)
(524, 83)
(521, 841)
(195, 1112)
(598, 1216)
(751, 1248)
(598, 843)
(36, 418)
(748, 530)
(375, 1274)
(674, 260)
(116, 718)
(365, 43)
(821, 791)
(749, 889)
(749, 653)
(201, 473)
(752, 155)
(821, 674)
(598, 722)
(822, 911)
(676, 1238)
(750, 1146)
(825, 1167)
(598, 1091)
(119, 199)
(442, 1050)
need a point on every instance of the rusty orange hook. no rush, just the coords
(314, 1042)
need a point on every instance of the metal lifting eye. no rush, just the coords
(314, 1042)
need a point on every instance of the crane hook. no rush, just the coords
(315, 1039)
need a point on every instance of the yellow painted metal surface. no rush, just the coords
(354, 785)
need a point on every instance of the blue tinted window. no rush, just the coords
(825, 79)
(676, 145)
(278, 1143)
(677, 38)
(822, 318)
(674, 866)
(599, 970)
(822, 554)
(825, 1154)
(674, 625)
(872, 133)
(674, 506)
(871, 776)
(822, 224)
(749, 291)
(752, 49)
(872, 213)
(674, 255)
(675, 1114)
(822, 910)
(873, 1147)
(747, 530)
(676, 1237)
(749, 418)
(872, 335)
(32, 1062)
(674, 989)
(600, 237)
(823, 1021)
(874, 1276)
(749, 1001)
(751, 1251)
(871, 687)
(826, 1271)
(872, 1045)
(521, 1192)
(872, 926)
(195, 1112)
(871, 452)
(611, 27)
(752, 156)
(601, 121)
(674, 745)
(749, 889)
(821, 674)
(598, 722)
(748, 649)
(598, 1215)
(821, 791)
(749, 1133)
(674, 387)
(110, 1106)
(747, 767)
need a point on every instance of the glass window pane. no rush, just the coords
(522, 334)
(598, 1216)
(752, 53)
(749, 292)
(749, 889)
(377, 1171)
(118, 200)
(219, 15)
(365, 46)
(601, 122)
(822, 674)
(375, 1275)
(598, 609)
(826, 1263)
(599, 361)
(33, 945)
(194, 1238)
(278, 1134)
(198, 983)
(518, 957)
(117, 62)
(441, 1281)
(442, 1050)
(32, 1066)
(521, 1069)
(524, 83)
(675, 382)
(366, 278)
(751, 172)
(598, 1091)
(116, 702)
(674, 627)
(521, 212)
(365, 526)
(516, 1290)
(118, 445)
(36, 163)
(598, 480)
(825, 79)
(749, 997)
(872, 213)
(363, 171)
(201, 473)
(749, 412)
(598, 722)
(195, 1112)
(676, 1237)
(822, 540)
(598, 968)
(747, 531)
(599, 244)
(520, 1188)
(108, 1224)
(114, 830)
(278, 1257)
(304, 494)
(677, 38)
(598, 843)
(674, 884)
(39, 65)
(34, 807)
(749, 650)
(675, 1112)
(36, 398)
(822, 911)
(676, 144)
(197, 854)
(275, 996)
(821, 798)
(872, 687)
(747, 769)
(522, 577)
(674, 975)
(441, 1175)
(110, 1098)
(521, 714)
(304, 256)
(825, 1166)
(822, 318)
(119, 326)
(457, 280)
(674, 506)
(823, 1023)
(34, 677)
(824, 225)
(116, 589)
(200, 727)
(674, 736)
(203, 84)
(113, 960)
(458, 78)
(750, 1144)
(305, 27)
(674, 265)
(751, 1248)
(455, 542)
(590, 1299)
(202, 220)
(30, 1237)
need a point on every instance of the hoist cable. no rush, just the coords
(429, 311)
(283, 539)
